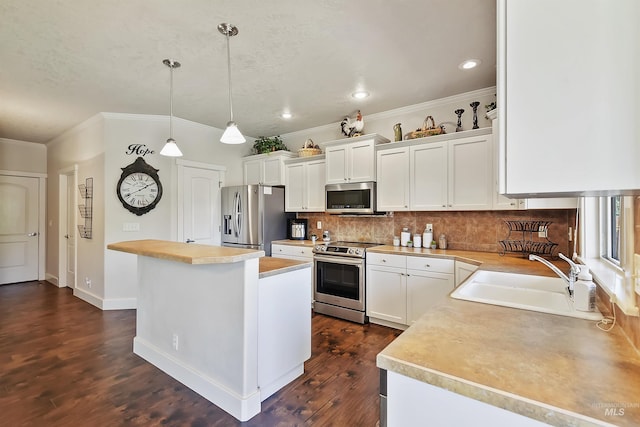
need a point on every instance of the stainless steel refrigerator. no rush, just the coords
(253, 216)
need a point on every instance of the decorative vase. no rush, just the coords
(474, 105)
(397, 132)
(459, 112)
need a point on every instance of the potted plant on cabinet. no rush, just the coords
(264, 145)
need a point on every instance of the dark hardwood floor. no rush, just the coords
(64, 362)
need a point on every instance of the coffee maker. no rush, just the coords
(297, 229)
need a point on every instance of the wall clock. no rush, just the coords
(139, 188)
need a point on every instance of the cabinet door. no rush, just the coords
(336, 164)
(315, 182)
(392, 170)
(424, 290)
(361, 161)
(471, 173)
(294, 195)
(428, 181)
(586, 140)
(387, 293)
(253, 172)
(463, 271)
(273, 172)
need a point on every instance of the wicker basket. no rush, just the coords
(427, 129)
(307, 152)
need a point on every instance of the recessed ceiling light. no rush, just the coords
(469, 64)
(285, 115)
(361, 94)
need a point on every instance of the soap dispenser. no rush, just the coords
(584, 292)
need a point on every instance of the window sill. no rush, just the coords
(612, 280)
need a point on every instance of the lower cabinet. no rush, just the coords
(295, 252)
(401, 288)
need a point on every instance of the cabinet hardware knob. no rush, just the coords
(427, 265)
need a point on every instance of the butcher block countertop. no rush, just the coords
(559, 370)
(273, 266)
(189, 253)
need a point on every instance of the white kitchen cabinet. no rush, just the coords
(463, 271)
(266, 169)
(429, 281)
(568, 96)
(429, 176)
(393, 179)
(401, 288)
(387, 293)
(471, 173)
(352, 160)
(446, 172)
(296, 252)
(304, 184)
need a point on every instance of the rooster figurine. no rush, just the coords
(354, 128)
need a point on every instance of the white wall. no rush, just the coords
(411, 117)
(22, 156)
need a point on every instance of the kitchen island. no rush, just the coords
(467, 363)
(231, 324)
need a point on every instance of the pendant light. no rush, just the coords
(171, 149)
(231, 134)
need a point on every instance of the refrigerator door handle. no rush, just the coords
(238, 215)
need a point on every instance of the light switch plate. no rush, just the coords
(131, 226)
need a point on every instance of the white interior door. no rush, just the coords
(19, 232)
(201, 206)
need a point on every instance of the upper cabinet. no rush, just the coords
(446, 172)
(304, 183)
(352, 160)
(568, 96)
(266, 169)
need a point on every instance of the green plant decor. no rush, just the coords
(264, 144)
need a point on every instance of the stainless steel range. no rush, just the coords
(339, 280)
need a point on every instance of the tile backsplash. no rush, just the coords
(465, 230)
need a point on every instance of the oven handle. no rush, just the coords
(339, 260)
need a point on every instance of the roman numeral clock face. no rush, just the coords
(139, 188)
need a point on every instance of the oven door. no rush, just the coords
(339, 281)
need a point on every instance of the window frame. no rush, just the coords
(615, 277)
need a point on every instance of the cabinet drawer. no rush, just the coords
(286, 250)
(430, 264)
(387, 260)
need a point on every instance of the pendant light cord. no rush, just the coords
(229, 74)
(171, 65)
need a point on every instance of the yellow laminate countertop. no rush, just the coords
(559, 370)
(189, 253)
(273, 266)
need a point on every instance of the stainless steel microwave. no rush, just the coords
(357, 197)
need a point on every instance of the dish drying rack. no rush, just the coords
(527, 244)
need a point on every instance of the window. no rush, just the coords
(612, 230)
(607, 246)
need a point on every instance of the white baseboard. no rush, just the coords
(105, 304)
(242, 408)
(268, 389)
(52, 279)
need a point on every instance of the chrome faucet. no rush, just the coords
(573, 272)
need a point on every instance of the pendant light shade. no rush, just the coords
(170, 148)
(232, 134)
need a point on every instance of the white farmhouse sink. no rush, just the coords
(523, 291)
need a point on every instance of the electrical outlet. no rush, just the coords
(87, 282)
(319, 225)
(131, 226)
(174, 342)
(570, 234)
(429, 227)
(542, 231)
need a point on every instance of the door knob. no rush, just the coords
(32, 234)
(66, 236)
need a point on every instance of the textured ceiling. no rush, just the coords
(65, 60)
